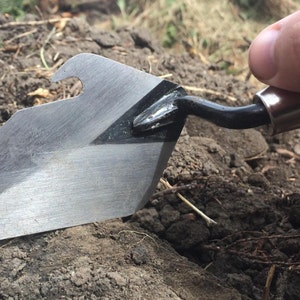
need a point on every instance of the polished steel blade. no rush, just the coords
(67, 163)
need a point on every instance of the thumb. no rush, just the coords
(274, 56)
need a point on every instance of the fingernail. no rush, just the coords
(261, 55)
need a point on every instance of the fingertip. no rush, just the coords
(261, 54)
(274, 56)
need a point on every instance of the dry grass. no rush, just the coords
(216, 31)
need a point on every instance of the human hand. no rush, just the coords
(274, 55)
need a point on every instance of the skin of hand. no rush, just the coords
(274, 55)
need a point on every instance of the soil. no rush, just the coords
(247, 181)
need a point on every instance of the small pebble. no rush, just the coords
(139, 255)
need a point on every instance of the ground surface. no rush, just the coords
(247, 181)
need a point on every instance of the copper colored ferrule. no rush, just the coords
(283, 108)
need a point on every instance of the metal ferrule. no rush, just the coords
(283, 108)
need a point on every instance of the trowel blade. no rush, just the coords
(75, 161)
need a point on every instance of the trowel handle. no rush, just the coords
(272, 105)
(282, 106)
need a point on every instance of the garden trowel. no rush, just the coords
(100, 155)
(75, 161)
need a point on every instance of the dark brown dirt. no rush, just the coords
(247, 181)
